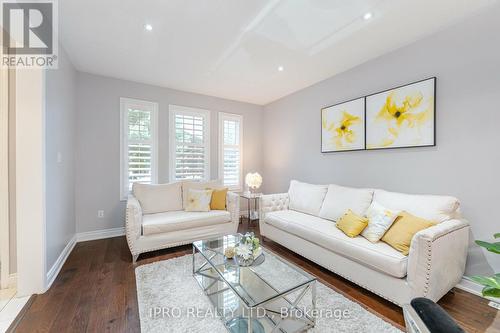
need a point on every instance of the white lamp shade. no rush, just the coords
(253, 180)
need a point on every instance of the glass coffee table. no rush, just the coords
(272, 295)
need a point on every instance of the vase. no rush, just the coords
(244, 262)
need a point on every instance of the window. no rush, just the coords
(189, 143)
(230, 150)
(138, 143)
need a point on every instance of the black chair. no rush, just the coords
(424, 316)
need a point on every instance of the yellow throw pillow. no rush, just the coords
(198, 200)
(218, 201)
(400, 234)
(352, 224)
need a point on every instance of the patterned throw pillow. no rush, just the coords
(198, 200)
(380, 220)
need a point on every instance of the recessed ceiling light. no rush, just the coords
(281, 68)
(368, 16)
(148, 27)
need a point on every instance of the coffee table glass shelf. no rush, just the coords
(272, 295)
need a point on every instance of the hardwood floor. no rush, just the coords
(95, 292)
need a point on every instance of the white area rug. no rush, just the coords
(169, 285)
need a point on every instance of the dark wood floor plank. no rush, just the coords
(96, 292)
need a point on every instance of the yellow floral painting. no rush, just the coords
(343, 126)
(402, 117)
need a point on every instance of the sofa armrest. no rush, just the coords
(133, 222)
(233, 207)
(272, 202)
(437, 257)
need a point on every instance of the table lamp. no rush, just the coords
(253, 181)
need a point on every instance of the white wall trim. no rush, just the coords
(56, 268)
(471, 287)
(238, 118)
(30, 180)
(79, 237)
(12, 280)
(99, 234)
(474, 288)
(125, 104)
(465, 284)
(4, 178)
(206, 114)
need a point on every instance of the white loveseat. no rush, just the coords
(437, 256)
(155, 217)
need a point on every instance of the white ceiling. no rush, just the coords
(233, 48)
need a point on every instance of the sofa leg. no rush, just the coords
(134, 258)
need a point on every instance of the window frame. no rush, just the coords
(125, 104)
(173, 110)
(230, 116)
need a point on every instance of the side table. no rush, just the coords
(253, 215)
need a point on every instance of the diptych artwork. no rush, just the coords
(343, 126)
(396, 118)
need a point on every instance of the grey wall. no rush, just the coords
(60, 139)
(98, 141)
(466, 160)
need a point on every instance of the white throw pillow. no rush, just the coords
(436, 208)
(339, 199)
(198, 200)
(380, 220)
(158, 198)
(306, 198)
(197, 185)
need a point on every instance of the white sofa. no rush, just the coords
(155, 217)
(437, 256)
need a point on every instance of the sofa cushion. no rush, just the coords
(380, 220)
(181, 220)
(158, 198)
(197, 185)
(437, 208)
(306, 198)
(378, 256)
(339, 199)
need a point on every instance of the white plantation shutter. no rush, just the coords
(138, 143)
(190, 143)
(230, 150)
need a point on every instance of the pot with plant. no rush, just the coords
(491, 284)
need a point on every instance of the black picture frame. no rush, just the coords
(434, 81)
(434, 115)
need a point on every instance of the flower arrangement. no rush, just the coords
(248, 249)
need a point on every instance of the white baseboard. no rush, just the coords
(56, 268)
(470, 286)
(79, 237)
(99, 234)
(476, 289)
(12, 280)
